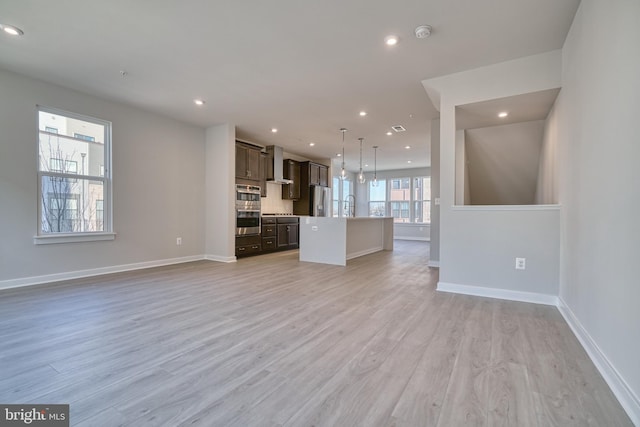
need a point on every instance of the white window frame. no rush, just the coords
(416, 201)
(388, 202)
(107, 233)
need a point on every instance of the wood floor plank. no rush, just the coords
(465, 401)
(271, 341)
(419, 404)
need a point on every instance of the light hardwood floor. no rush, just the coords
(270, 341)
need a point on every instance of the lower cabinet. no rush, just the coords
(277, 233)
(248, 245)
(288, 235)
(269, 235)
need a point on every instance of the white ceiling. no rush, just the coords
(304, 67)
(520, 108)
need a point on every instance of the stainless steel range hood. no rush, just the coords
(275, 165)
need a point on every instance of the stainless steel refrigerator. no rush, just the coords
(320, 201)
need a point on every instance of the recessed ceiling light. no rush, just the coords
(311, 144)
(10, 29)
(363, 113)
(199, 102)
(407, 147)
(389, 133)
(339, 155)
(274, 130)
(503, 114)
(408, 161)
(391, 40)
(366, 166)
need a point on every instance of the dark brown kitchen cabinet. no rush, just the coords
(247, 162)
(288, 235)
(324, 176)
(310, 174)
(269, 234)
(248, 245)
(292, 172)
(313, 174)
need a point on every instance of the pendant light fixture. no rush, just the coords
(375, 166)
(343, 171)
(361, 178)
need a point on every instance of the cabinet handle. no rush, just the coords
(241, 249)
(254, 247)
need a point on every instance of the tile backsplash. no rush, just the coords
(273, 203)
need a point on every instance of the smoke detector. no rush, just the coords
(423, 31)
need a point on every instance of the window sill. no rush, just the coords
(51, 239)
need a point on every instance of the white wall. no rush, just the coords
(503, 163)
(490, 238)
(220, 161)
(158, 185)
(467, 235)
(402, 231)
(597, 115)
(462, 178)
(434, 232)
(547, 185)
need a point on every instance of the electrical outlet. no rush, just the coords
(520, 263)
(179, 241)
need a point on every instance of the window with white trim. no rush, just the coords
(400, 199)
(378, 198)
(422, 199)
(343, 201)
(407, 200)
(74, 153)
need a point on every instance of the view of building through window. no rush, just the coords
(406, 200)
(378, 198)
(72, 154)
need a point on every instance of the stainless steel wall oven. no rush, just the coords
(247, 210)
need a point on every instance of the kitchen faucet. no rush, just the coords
(350, 206)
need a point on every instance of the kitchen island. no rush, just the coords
(328, 240)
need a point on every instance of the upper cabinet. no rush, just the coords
(314, 174)
(248, 162)
(291, 171)
(310, 174)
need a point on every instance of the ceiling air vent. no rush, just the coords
(398, 128)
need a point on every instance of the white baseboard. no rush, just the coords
(364, 252)
(629, 401)
(625, 395)
(434, 263)
(498, 293)
(422, 239)
(48, 278)
(220, 258)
